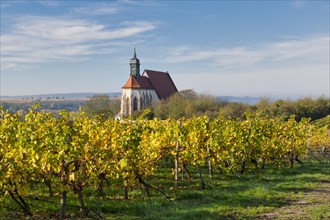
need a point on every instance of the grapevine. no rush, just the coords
(78, 151)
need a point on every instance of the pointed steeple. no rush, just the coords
(134, 53)
(135, 65)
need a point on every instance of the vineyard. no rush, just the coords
(75, 153)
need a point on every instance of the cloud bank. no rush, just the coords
(312, 49)
(38, 39)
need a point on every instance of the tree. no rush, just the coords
(186, 103)
(176, 106)
(102, 106)
(234, 110)
(188, 94)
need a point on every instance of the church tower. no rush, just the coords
(135, 66)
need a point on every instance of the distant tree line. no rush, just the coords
(188, 103)
(45, 105)
(302, 108)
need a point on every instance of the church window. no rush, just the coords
(127, 104)
(147, 100)
(144, 99)
(135, 104)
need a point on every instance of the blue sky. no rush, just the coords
(277, 49)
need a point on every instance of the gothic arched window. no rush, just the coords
(147, 100)
(127, 104)
(135, 104)
(144, 100)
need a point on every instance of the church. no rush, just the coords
(142, 91)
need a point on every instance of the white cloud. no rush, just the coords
(75, 29)
(299, 67)
(310, 49)
(4, 5)
(96, 10)
(36, 39)
(277, 82)
(50, 3)
(300, 4)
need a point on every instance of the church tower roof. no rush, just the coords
(134, 53)
(135, 65)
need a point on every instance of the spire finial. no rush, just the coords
(134, 54)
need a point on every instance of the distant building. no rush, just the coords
(141, 91)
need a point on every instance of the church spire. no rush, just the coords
(135, 65)
(134, 53)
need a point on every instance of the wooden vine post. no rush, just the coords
(176, 172)
(209, 162)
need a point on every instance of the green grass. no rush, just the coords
(319, 212)
(253, 195)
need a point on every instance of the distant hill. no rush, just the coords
(245, 99)
(59, 96)
(70, 96)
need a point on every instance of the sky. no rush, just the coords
(274, 49)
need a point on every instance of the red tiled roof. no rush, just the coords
(131, 83)
(142, 83)
(162, 83)
(145, 83)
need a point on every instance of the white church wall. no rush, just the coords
(144, 98)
